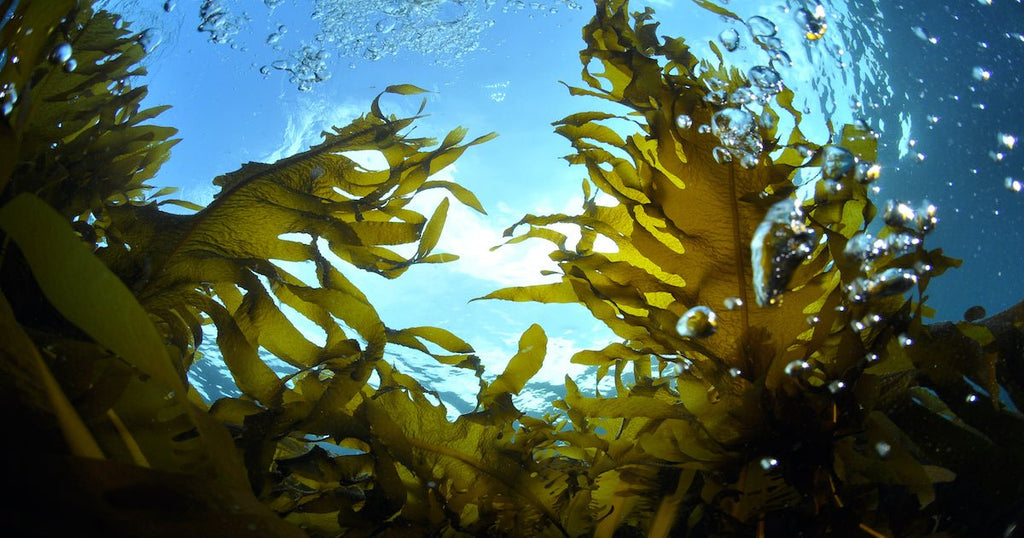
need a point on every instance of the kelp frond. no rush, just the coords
(774, 376)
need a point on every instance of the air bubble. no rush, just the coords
(981, 74)
(923, 33)
(734, 127)
(971, 398)
(742, 96)
(883, 449)
(765, 78)
(733, 303)
(730, 39)
(748, 161)
(60, 54)
(837, 386)
(683, 121)
(735, 372)
(769, 463)
(866, 173)
(893, 281)
(905, 340)
(780, 244)
(797, 368)
(717, 97)
(836, 162)
(1007, 140)
(1013, 184)
(721, 155)
(813, 22)
(8, 98)
(704, 129)
(698, 322)
(900, 215)
(761, 27)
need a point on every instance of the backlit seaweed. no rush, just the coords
(804, 396)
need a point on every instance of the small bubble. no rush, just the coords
(730, 39)
(70, 65)
(813, 320)
(981, 74)
(996, 156)
(765, 78)
(866, 173)
(905, 340)
(761, 27)
(735, 372)
(932, 118)
(797, 368)
(883, 449)
(1007, 140)
(971, 398)
(60, 54)
(704, 129)
(683, 121)
(8, 98)
(742, 96)
(169, 5)
(717, 97)
(924, 35)
(813, 22)
(698, 322)
(733, 303)
(1013, 184)
(769, 463)
(836, 162)
(836, 386)
(721, 155)
(871, 358)
(747, 160)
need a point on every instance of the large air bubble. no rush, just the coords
(781, 243)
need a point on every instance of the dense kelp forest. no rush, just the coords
(785, 381)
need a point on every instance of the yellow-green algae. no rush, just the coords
(104, 296)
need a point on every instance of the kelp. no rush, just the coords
(802, 412)
(818, 403)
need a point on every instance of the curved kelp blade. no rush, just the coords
(322, 199)
(93, 299)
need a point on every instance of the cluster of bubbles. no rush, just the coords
(217, 20)
(743, 116)
(444, 32)
(59, 56)
(908, 226)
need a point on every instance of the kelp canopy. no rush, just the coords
(818, 402)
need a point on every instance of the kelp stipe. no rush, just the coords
(804, 416)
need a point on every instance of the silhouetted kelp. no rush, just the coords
(804, 396)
